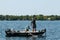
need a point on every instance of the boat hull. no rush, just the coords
(23, 34)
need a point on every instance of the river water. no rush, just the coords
(52, 27)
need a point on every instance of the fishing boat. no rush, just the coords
(11, 33)
(26, 32)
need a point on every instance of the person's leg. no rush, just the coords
(34, 29)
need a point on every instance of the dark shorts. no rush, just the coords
(34, 26)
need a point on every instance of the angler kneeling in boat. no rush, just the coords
(27, 28)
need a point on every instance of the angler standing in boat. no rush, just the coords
(34, 24)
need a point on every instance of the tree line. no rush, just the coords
(28, 17)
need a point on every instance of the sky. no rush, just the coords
(29, 7)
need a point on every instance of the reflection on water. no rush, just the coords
(26, 38)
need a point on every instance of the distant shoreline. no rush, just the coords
(29, 20)
(27, 17)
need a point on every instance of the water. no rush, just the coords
(53, 29)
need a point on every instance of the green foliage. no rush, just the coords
(27, 17)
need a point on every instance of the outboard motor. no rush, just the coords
(43, 30)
